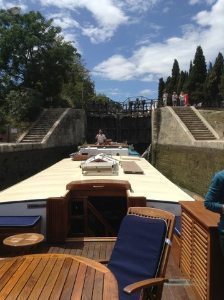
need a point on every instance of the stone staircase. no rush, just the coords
(194, 124)
(42, 126)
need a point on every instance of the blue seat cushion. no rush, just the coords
(137, 251)
(18, 221)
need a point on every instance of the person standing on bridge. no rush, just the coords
(165, 98)
(181, 98)
(100, 138)
(174, 99)
(214, 201)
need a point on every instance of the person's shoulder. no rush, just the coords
(219, 175)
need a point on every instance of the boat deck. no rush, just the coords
(178, 288)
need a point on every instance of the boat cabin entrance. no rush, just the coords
(90, 208)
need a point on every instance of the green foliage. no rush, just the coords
(175, 75)
(23, 105)
(182, 79)
(221, 87)
(79, 89)
(202, 86)
(34, 56)
(161, 89)
(213, 81)
(101, 98)
(197, 77)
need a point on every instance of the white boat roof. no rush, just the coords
(52, 182)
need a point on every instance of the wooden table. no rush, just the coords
(23, 239)
(56, 276)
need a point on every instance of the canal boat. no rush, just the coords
(110, 148)
(81, 213)
(62, 191)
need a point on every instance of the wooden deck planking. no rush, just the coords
(178, 289)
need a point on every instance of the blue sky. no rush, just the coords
(127, 45)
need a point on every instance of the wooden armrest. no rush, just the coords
(134, 287)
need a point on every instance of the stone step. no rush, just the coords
(33, 138)
(35, 135)
(198, 128)
(31, 141)
(205, 138)
(195, 125)
(45, 123)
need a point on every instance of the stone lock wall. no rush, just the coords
(189, 167)
(185, 161)
(19, 161)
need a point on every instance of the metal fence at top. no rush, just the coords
(139, 104)
(131, 105)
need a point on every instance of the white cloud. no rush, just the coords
(98, 35)
(166, 9)
(146, 92)
(108, 17)
(109, 69)
(137, 5)
(64, 21)
(156, 60)
(209, 2)
(8, 4)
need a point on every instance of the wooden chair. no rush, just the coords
(141, 251)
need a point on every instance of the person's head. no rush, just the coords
(100, 131)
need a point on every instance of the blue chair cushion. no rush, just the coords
(18, 221)
(137, 251)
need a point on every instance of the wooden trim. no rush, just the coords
(98, 184)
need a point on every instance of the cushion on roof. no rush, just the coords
(18, 221)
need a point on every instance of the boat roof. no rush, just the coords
(52, 182)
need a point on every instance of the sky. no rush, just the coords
(127, 45)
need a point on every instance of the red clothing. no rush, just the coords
(185, 99)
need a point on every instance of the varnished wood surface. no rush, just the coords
(23, 239)
(56, 276)
(131, 167)
(201, 257)
(100, 249)
(98, 184)
(197, 210)
(180, 289)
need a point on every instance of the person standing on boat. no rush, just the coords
(214, 201)
(100, 138)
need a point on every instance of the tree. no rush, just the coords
(197, 76)
(181, 82)
(221, 88)
(79, 89)
(175, 71)
(169, 89)
(213, 81)
(34, 54)
(161, 89)
(23, 105)
(175, 76)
